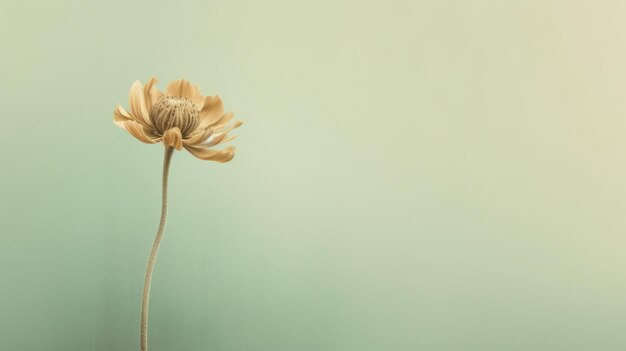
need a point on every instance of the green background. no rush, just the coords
(411, 175)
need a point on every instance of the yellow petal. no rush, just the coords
(221, 137)
(229, 138)
(183, 88)
(223, 129)
(222, 121)
(150, 93)
(138, 104)
(215, 139)
(198, 98)
(120, 116)
(199, 136)
(172, 137)
(212, 155)
(137, 130)
(212, 110)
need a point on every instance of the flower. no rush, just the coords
(180, 118)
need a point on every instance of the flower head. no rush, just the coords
(180, 118)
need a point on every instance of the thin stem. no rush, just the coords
(153, 254)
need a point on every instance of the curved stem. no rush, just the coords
(153, 254)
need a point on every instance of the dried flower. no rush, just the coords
(180, 118)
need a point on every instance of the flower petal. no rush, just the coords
(150, 93)
(214, 140)
(212, 155)
(183, 88)
(222, 121)
(120, 116)
(137, 130)
(229, 138)
(212, 110)
(221, 137)
(223, 129)
(172, 137)
(138, 104)
(199, 136)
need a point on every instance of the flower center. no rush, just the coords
(174, 111)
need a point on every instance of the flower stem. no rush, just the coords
(153, 254)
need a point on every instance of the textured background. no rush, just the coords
(412, 175)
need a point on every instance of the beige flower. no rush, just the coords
(180, 118)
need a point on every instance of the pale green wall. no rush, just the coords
(412, 175)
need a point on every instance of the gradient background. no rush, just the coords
(411, 175)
